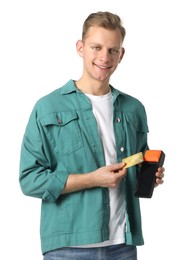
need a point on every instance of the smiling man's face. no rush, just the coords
(101, 51)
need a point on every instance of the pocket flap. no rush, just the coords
(140, 123)
(59, 118)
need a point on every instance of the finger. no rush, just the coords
(161, 169)
(117, 166)
(158, 181)
(121, 172)
(159, 175)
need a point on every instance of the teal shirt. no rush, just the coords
(62, 137)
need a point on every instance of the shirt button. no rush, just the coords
(122, 149)
(59, 121)
(118, 120)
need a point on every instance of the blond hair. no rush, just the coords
(106, 20)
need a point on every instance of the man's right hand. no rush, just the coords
(106, 176)
(110, 176)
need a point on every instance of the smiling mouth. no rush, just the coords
(102, 67)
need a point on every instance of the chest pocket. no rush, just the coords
(136, 129)
(62, 131)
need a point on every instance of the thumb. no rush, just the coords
(117, 166)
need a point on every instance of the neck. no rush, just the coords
(93, 88)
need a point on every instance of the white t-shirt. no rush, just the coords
(103, 112)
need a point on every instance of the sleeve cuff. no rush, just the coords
(56, 186)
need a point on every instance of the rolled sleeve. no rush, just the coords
(56, 186)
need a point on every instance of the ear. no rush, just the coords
(122, 54)
(79, 48)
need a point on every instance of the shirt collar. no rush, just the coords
(115, 93)
(70, 87)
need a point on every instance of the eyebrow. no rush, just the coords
(96, 43)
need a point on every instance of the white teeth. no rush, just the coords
(103, 67)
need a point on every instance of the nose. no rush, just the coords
(105, 55)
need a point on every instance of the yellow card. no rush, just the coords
(133, 159)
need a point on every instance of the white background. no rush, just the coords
(38, 55)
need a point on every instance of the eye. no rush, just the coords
(96, 48)
(114, 51)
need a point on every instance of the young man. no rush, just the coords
(72, 153)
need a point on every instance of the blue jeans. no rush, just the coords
(115, 252)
